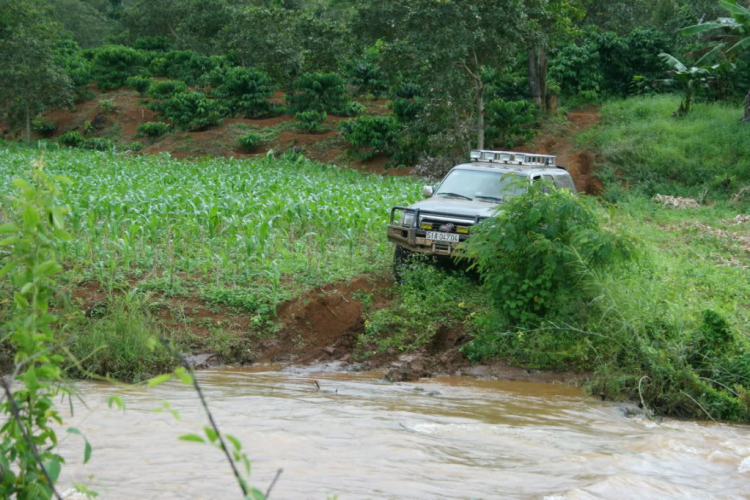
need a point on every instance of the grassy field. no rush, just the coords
(641, 144)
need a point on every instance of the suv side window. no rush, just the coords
(564, 182)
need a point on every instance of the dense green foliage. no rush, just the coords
(139, 83)
(153, 129)
(322, 92)
(30, 463)
(71, 139)
(311, 120)
(166, 89)
(531, 253)
(371, 134)
(114, 64)
(246, 89)
(250, 141)
(190, 110)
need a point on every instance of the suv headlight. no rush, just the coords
(407, 219)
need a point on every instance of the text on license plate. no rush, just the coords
(434, 235)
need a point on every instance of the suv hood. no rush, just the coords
(458, 207)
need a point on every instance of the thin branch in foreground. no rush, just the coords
(32, 446)
(273, 483)
(211, 420)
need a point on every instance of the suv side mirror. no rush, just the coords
(427, 191)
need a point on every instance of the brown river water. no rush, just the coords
(359, 437)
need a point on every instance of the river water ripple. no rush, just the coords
(362, 438)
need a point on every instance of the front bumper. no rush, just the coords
(414, 240)
(414, 236)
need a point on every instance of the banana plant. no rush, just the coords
(733, 30)
(690, 78)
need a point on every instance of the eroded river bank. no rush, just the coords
(359, 437)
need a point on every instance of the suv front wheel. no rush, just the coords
(401, 258)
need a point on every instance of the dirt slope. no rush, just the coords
(559, 141)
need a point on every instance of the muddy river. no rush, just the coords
(359, 437)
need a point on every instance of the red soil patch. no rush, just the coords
(580, 164)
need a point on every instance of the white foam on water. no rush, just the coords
(744, 466)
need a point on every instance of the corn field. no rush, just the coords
(218, 221)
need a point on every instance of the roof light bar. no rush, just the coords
(513, 157)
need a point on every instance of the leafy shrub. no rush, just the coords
(510, 122)
(69, 57)
(165, 90)
(366, 76)
(323, 92)
(153, 129)
(375, 134)
(246, 89)
(42, 126)
(190, 110)
(407, 110)
(407, 90)
(186, 65)
(529, 256)
(141, 84)
(133, 146)
(98, 144)
(114, 64)
(107, 106)
(353, 108)
(249, 141)
(71, 139)
(311, 120)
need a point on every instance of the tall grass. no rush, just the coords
(641, 143)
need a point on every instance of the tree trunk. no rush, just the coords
(746, 118)
(538, 77)
(480, 116)
(28, 126)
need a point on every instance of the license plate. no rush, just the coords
(434, 235)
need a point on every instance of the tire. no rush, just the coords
(401, 258)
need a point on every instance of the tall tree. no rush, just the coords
(551, 21)
(734, 32)
(32, 80)
(449, 42)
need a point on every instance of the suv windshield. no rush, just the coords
(492, 187)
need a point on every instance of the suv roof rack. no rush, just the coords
(513, 158)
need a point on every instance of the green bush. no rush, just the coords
(510, 122)
(530, 255)
(186, 65)
(246, 90)
(371, 134)
(250, 141)
(69, 57)
(366, 77)
(190, 110)
(114, 64)
(311, 120)
(165, 90)
(353, 108)
(98, 144)
(133, 146)
(153, 129)
(71, 139)
(406, 110)
(141, 84)
(323, 92)
(42, 126)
